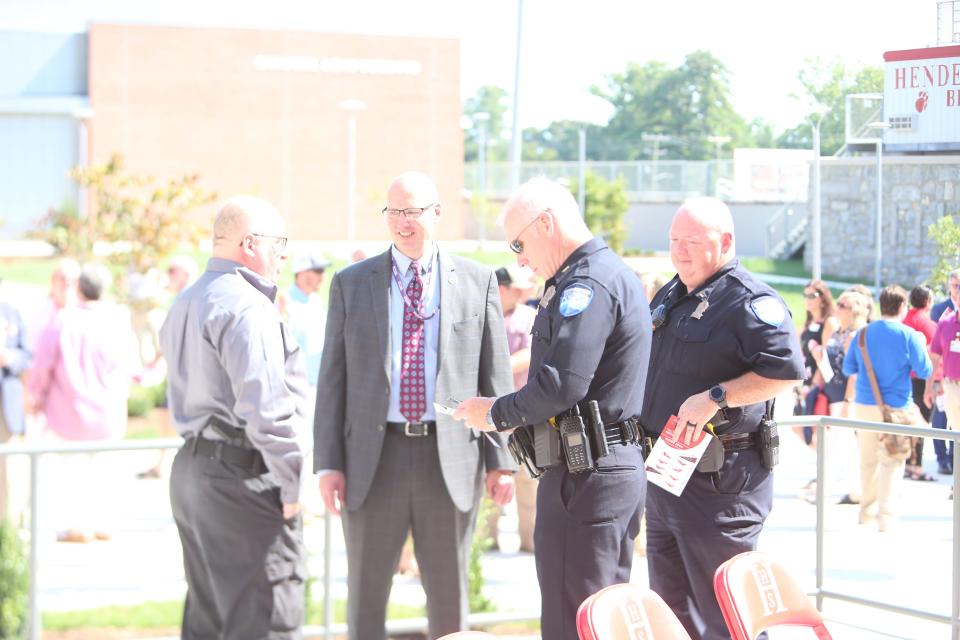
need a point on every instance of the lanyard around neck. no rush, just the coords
(407, 302)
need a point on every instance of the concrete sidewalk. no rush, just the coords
(910, 566)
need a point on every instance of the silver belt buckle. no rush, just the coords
(420, 430)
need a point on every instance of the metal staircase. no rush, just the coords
(787, 230)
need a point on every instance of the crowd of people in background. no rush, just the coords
(913, 340)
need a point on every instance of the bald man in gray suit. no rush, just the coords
(408, 327)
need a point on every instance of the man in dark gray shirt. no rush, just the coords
(237, 394)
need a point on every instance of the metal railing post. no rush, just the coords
(955, 600)
(821, 512)
(327, 576)
(36, 622)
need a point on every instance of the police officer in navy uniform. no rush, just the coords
(591, 342)
(724, 345)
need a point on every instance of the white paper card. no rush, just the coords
(671, 463)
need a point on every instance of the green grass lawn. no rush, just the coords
(166, 614)
(793, 268)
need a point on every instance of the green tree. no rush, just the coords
(762, 133)
(946, 234)
(605, 205)
(689, 103)
(561, 141)
(826, 83)
(491, 100)
(143, 220)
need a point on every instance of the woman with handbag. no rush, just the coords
(882, 357)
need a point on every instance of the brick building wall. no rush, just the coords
(257, 112)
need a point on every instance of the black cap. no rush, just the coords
(503, 277)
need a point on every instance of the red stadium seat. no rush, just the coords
(757, 593)
(627, 612)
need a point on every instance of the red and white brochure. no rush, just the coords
(671, 462)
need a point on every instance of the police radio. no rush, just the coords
(573, 437)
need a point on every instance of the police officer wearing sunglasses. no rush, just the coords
(723, 347)
(591, 342)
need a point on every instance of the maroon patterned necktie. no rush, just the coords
(413, 403)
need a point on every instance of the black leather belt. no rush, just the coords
(731, 441)
(414, 429)
(613, 434)
(249, 459)
(737, 441)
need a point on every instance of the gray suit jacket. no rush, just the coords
(353, 390)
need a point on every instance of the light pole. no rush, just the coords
(815, 231)
(480, 119)
(878, 260)
(352, 107)
(517, 142)
(656, 139)
(582, 165)
(718, 142)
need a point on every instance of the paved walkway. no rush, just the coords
(910, 566)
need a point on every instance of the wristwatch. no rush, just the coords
(719, 395)
(490, 415)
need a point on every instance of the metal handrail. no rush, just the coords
(784, 217)
(882, 427)
(327, 630)
(36, 451)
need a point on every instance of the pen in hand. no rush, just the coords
(448, 410)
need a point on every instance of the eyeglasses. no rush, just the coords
(410, 213)
(811, 296)
(517, 245)
(279, 242)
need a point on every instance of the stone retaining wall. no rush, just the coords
(917, 191)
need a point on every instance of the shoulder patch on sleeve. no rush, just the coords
(575, 299)
(769, 310)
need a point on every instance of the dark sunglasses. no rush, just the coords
(517, 245)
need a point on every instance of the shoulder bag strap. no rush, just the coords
(862, 342)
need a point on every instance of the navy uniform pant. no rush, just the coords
(584, 533)
(245, 565)
(688, 537)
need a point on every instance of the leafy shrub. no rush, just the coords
(140, 402)
(14, 583)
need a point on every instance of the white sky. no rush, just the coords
(568, 44)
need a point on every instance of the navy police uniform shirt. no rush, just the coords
(591, 341)
(733, 323)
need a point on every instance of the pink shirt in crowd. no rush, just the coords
(519, 324)
(81, 373)
(948, 330)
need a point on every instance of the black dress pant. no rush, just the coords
(245, 565)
